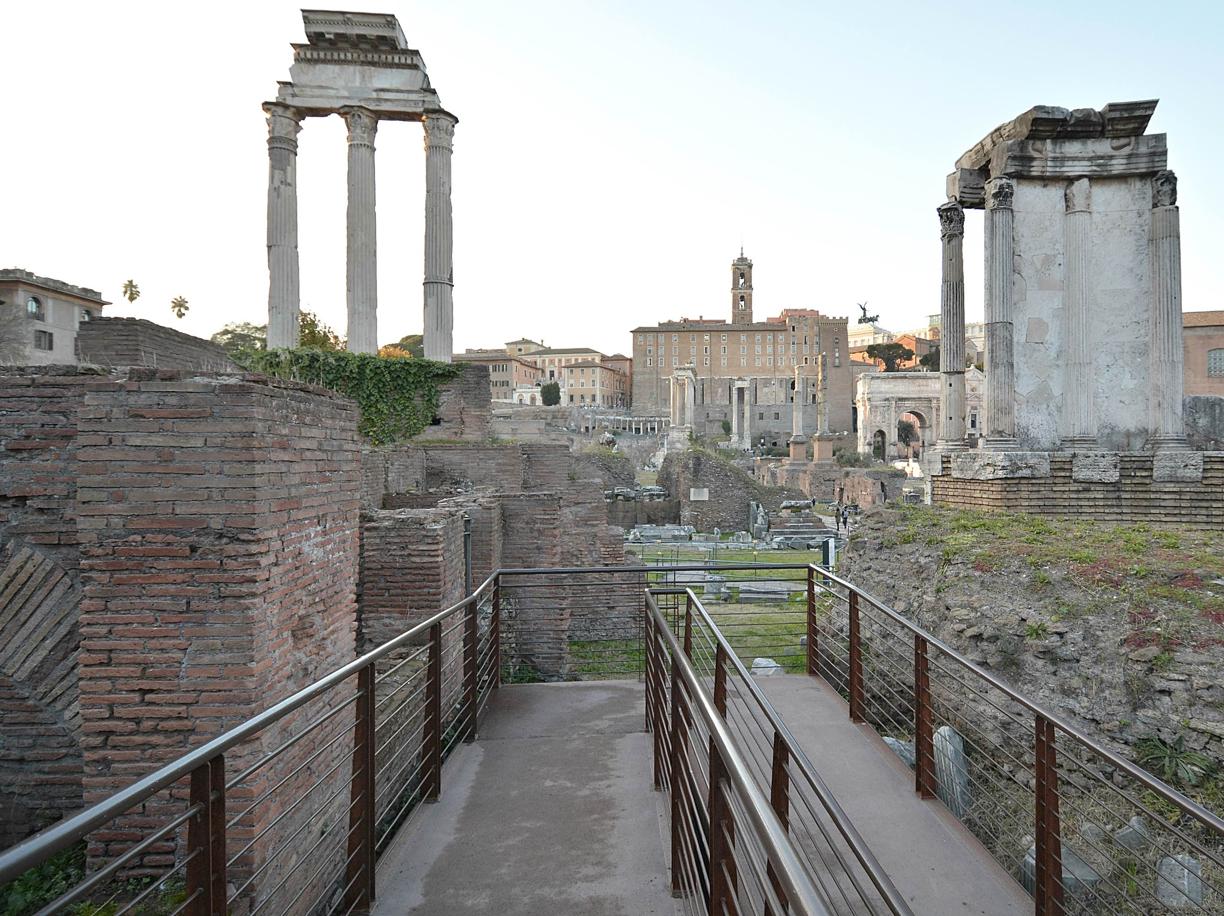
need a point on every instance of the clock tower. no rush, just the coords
(741, 290)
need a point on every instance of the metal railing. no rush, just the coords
(833, 856)
(285, 813)
(1083, 829)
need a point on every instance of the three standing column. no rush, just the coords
(362, 280)
(439, 242)
(1166, 422)
(1078, 379)
(283, 280)
(1000, 352)
(952, 327)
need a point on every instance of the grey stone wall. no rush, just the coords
(137, 342)
(1205, 422)
(730, 490)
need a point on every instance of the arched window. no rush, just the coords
(34, 308)
(1215, 362)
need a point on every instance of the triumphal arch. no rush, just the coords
(359, 66)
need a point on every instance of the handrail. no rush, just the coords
(853, 839)
(1167, 792)
(800, 892)
(59, 836)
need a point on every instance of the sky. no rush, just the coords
(610, 158)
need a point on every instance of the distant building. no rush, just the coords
(1203, 346)
(590, 382)
(508, 375)
(39, 318)
(742, 354)
(517, 371)
(522, 346)
(863, 335)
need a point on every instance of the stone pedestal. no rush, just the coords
(439, 242)
(822, 448)
(799, 448)
(283, 282)
(362, 286)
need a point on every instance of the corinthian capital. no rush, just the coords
(284, 122)
(951, 220)
(362, 124)
(439, 130)
(999, 193)
(1164, 189)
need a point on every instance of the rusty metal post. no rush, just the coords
(924, 728)
(495, 632)
(724, 878)
(359, 877)
(432, 752)
(675, 777)
(720, 681)
(654, 682)
(206, 840)
(779, 800)
(813, 635)
(688, 626)
(1049, 886)
(470, 642)
(856, 661)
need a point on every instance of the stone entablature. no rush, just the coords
(358, 65)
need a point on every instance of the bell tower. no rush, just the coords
(741, 290)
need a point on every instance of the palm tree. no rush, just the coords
(131, 291)
(178, 305)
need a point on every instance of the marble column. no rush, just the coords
(735, 414)
(1078, 378)
(439, 242)
(690, 400)
(674, 403)
(283, 282)
(362, 289)
(952, 327)
(1167, 426)
(797, 407)
(1000, 353)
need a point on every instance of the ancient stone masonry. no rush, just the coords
(714, 492)
(358, 65)
(136, 342)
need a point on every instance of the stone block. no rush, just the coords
(952, 771)
(1177, 467)
(1096, 467)
(999, 465)
(1179, 883)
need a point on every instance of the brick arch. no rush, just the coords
(40, 743)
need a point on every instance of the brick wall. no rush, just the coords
(467, 466)
(218, 531)
(464, 407)
(137, 342)
(1134, 497)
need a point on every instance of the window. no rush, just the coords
(34, 308)
(758, 360)
(44, 340)
(776, 415)
(707, 360)
(692, 351)
(675, 362)
(1215, 362)
(724, 351)
(724, 362)
(649, 362)
(650, 351)
(86, 315)
(973, 418)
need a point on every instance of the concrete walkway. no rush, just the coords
(933, 860)
(550, 811)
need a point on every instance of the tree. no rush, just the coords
(131, 292)
(889, 354)
(930, 360)
(550, 394)
(179, 306)
(393, 351)
(412, 344)
(315, 335)
(241, 335)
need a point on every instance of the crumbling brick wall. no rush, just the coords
(729, 488)
(138, 342)
(464, 407)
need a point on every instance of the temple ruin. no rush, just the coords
(359, 66)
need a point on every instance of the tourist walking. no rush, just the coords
(883, 494)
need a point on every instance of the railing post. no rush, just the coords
(359, 876)
(433, 715)
(654, 683)
(720, 680)
(495, 632)
(675, 777)
(467, 555)
(924, 735)
(206, 840)
(723, 875)
(779, 800)
(813, 635)
(688, 625)
(856, 661)
(470, 630)
(1049, 886)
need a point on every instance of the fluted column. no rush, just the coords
(362, 288)
(952, 327)
(1167, 426)
(439, 241)
(1078, 378)
(690, 400)
(797, 407)
(735, 414)
(1000, 354)
(283, 284)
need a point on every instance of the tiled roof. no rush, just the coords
(1202, 319)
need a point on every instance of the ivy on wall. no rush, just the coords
(397, 397)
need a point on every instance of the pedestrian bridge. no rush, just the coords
(618, 741)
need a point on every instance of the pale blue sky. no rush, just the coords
(609, 161)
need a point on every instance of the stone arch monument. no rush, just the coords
(359, 66)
